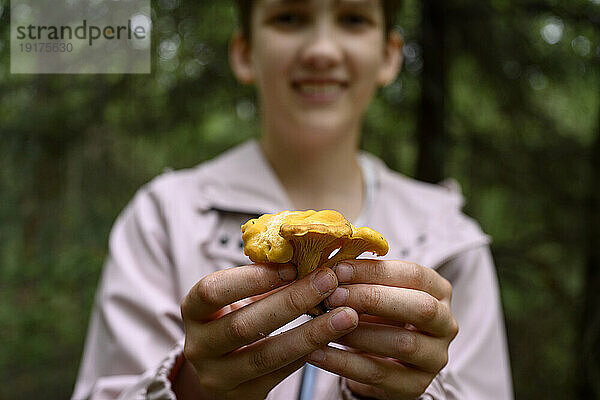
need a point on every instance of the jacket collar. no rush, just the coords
(241, 180)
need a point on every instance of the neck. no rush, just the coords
(327, 177)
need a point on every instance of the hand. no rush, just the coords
(405, 328)
(227, 344)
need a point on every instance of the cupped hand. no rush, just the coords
(227, 342)
(405, 328)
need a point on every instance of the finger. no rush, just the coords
(275, 352)
(257, 320)
(239, 304)
(421, 351)
(394, 273)
(221, 288)
(393, 377)
(405, 305)
(378, 320)
(260, 387)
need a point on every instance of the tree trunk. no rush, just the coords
(431, 126)
(589, 345)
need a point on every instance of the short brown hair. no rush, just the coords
(244, 9)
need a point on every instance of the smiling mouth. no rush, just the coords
(319, 91)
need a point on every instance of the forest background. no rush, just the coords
(502, 95)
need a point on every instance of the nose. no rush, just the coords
(322, 49)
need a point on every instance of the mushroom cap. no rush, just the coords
(362, 239)
(371, 240)
(262, 241)
(328, 223)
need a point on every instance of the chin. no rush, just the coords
(324, 127)
(313, 131)
(316, 138)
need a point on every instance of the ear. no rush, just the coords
(392, 59)
(240, 59)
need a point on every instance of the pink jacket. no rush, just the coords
(184, 225)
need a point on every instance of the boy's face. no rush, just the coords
(316, 63)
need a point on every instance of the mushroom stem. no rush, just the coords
(307, 255)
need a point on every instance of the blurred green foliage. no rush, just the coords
(523, 101)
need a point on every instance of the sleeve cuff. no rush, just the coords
(159, 386)
(156, 384)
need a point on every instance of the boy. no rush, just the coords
(316, 65)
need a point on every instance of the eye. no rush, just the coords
(354, 20)
(288, 19)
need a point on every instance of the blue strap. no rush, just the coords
(307, 385)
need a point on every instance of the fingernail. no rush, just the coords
(342, 321)
(324, 282)
(287, 273)
(338, 297)
(344, 272)
(317, 356)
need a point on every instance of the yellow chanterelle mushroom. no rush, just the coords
(307, 238)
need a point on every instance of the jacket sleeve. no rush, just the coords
(136, 319)
(478, 366)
